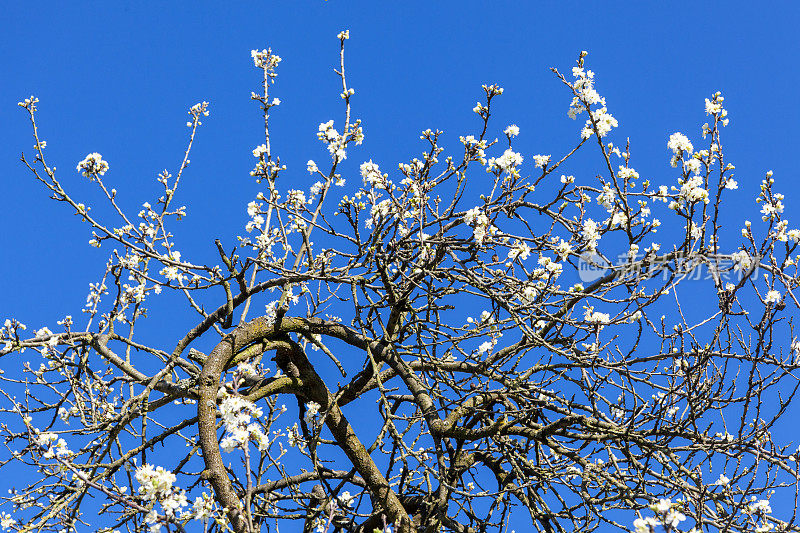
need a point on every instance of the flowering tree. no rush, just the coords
(583, 393)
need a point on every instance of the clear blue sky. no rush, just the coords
(117, 78)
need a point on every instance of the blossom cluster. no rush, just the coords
(53, 445)
(237, 413)
(265, 59)
(173, 272)
(508, 162)
(336, 142)
(590, 233)
(481, 224)
(156, 485)
(595, 317)
(92, 166)
(600, 121)
(372, 176)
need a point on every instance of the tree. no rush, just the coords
(582, 387)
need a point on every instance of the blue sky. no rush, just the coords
(117, 78)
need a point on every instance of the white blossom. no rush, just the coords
(604, 121)
(712, 107)
(203, 507)
(371, 175)
(93, 165)
(154, 481)
(259, 150)
(378, 211)
(485, 347)
(723, 481)
(759, 506)
(590, 233)
(626, 173)
(6, 522)
(519, 250)
(563, 249)
(507, 162)
(265, 59)
(742, 261)
(772, 297)
(312, 408)
(692, 190)
(540, 161)
(678, 142)
(594, 317)
(345, 499)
